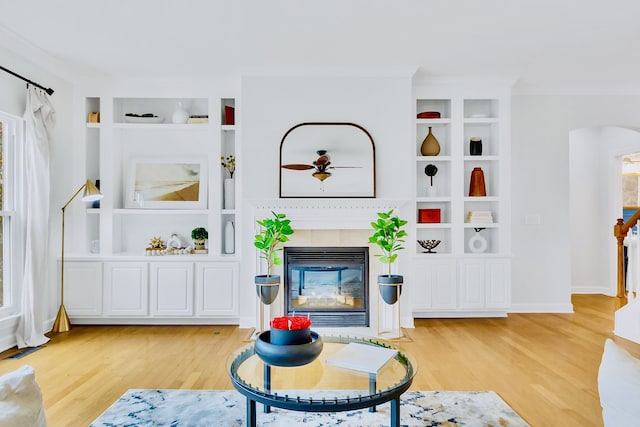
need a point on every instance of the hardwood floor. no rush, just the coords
(544, 365)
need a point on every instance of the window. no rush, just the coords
(10, 250)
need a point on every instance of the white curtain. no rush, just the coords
(39, 118)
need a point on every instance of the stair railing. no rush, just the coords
(632, 274)
(620, 231)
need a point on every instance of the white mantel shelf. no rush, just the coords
(328, 214)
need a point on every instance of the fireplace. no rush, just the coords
(330, 284)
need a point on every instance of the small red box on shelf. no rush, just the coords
(428, 215)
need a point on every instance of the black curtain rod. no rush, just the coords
(48, 90)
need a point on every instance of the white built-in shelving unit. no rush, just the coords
(467, 275)
(109, 277)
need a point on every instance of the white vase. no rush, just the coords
(229, 238)
(229, 193)
(478, 243)
(180, 116)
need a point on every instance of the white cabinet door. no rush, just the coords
(171, 289)
(126, 289)
(83, 288)
(498, 283)
(216, 288)
(433, 285)
(471, 284)
(485, 283)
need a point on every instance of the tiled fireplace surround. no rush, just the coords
(331, 222)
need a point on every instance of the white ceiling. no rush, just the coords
(573, 44)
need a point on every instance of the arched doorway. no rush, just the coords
(595, 189)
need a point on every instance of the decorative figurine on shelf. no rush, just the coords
(431, 171)
(199, 236)
(180, 116)
(156, 247)
(478, 243)
(156, 243)
(475, 146)
(229, 164)
(430, 145)
(429, 245)
(476, 184)
(174, 242)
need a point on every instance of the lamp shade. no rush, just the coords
(91, 192)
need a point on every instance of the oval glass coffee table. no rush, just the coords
(350, 373)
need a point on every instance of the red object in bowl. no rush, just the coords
(290, 322)
(429, 115)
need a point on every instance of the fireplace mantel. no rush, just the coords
(328, 214)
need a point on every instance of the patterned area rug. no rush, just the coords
(195, 408)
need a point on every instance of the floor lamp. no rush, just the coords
(91, 194)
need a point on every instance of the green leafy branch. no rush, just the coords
(274, 231)
(388, 235)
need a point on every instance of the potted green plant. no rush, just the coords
(199, 236)
(275, 230)
(388, 235)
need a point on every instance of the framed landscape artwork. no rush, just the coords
(166, 184)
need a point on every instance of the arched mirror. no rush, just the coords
(327, 160)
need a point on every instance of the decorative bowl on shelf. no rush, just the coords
(143, 119)
(429, 115)
(287, 355)
(429, 245)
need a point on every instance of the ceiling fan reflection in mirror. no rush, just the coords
(320, 166)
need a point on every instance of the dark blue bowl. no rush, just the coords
(287, 355)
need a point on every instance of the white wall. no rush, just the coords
(273, 104)
(585, 199)
(541, 125)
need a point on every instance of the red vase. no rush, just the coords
(476, 185)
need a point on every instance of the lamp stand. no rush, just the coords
(62, 322)
(91, 193)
